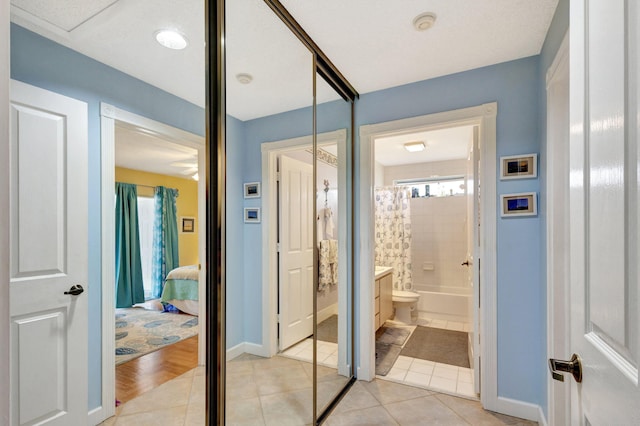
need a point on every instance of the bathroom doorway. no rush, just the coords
(433, 185)
(425, 234)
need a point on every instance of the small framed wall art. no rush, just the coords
(519, 166)
(252, 190)
(187, 225)
(252, 214)
(523, 204)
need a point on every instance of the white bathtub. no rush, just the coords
(452, 305)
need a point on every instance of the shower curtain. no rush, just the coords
(393, 233)
(165, 237)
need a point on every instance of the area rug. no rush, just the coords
(140, 331)
(438, 345)
(389, 341)
(328, 330)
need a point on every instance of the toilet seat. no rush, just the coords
(404, 296)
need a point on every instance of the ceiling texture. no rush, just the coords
(372, 42)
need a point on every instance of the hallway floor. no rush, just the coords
(181, 402)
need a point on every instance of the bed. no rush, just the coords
(181, 289)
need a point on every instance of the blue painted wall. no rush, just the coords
(43, 63)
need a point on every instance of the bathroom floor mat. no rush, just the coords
(386, 356)
(389, 341)
(328, 330)
(438, 345)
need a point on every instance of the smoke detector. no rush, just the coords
(244, 78)
(424, 21)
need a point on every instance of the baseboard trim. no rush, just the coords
(235, 351)
(96, 416)
(542, 419)
(325, 313)
(246, 347)
(513, 407)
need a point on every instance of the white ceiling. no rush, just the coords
(441, 145)
(372, 42)
(140, 151)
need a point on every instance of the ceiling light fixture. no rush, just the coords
(414, 146)
(424, 21)
(195, 176)
(171, 39)
(244, 78)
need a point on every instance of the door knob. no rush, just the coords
(465, 263)
(573, 366)
(75, 290)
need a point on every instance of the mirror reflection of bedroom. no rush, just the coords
(157, 266)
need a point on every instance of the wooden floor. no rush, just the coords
(142, 374)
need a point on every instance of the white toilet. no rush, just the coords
(403, 302)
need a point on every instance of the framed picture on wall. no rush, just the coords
(252, 190)
(524, 204)
(252, 214)
(187, 225)
(519, 166)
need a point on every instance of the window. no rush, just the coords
(445, 186)
(146, 216)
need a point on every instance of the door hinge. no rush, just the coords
(278, 317)
(278, 247)
(278, 176)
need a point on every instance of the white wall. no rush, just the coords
(439, 231)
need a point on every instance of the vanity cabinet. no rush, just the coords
(383, 292)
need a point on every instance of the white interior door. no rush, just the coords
(604, 255)
(296, 251)
(48, 240)
(473, 250)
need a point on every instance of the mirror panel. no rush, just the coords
(269, 219)
(333, 229)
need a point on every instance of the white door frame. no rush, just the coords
(483, 116)
(557, 198)
(4, 213)
(270, 153)
(109, 117)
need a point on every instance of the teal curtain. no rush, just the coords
(165, 237)
(129, 288)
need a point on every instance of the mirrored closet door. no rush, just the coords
(287, 270)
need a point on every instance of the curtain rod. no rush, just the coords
(152, 187)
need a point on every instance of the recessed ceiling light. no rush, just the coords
(424, 21)
(195, 177)
(414, 146)
(171, 39)
(244, 78)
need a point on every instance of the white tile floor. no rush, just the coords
(303, 351)
(181, 401)
(431, 375)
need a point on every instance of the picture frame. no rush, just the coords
(252, 215)
(252, 190)
(518, 205)
(519, 166)
(187, 225)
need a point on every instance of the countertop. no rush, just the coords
(381, 271)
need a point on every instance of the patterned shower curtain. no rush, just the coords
(393, 233)
(165, 237)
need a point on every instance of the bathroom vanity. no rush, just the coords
(383, 289)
